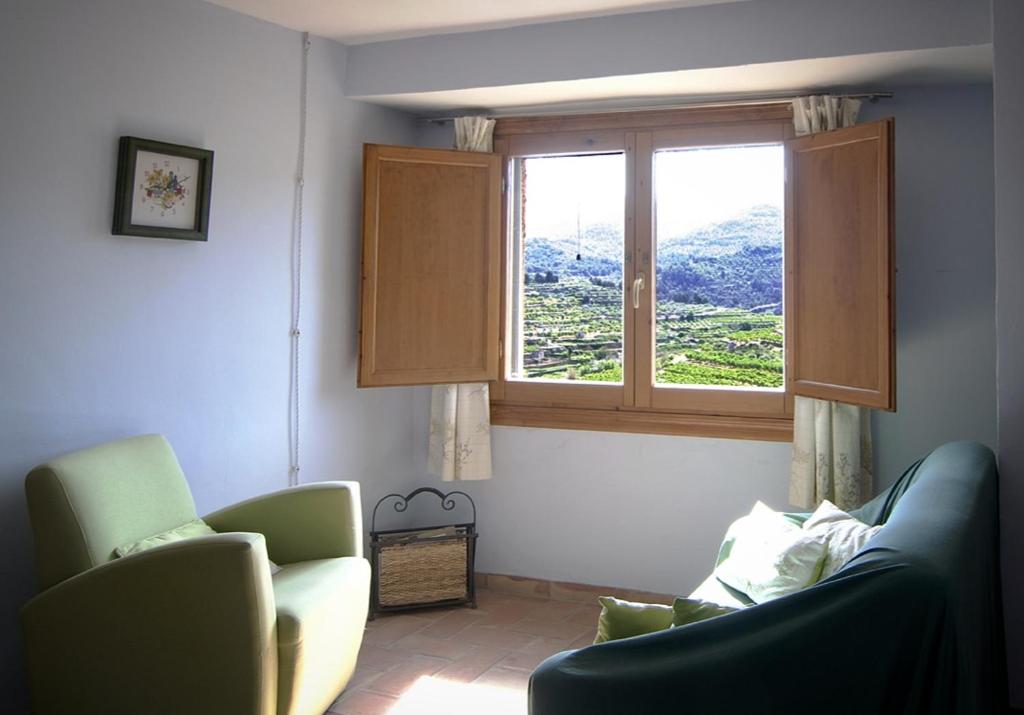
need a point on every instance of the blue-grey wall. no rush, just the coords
(945, 292)
(1008, 75)
(106, 336)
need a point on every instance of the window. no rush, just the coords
(566, 318)
(686, 271)
(718, 228)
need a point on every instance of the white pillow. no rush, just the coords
(844, 535)
(770, 556)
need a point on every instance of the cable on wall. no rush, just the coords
(296, 308)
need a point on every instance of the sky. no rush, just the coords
(693, 187)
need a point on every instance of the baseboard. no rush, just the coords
(564, 590)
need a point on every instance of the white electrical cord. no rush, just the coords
(293, 392)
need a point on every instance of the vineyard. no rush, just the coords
(572, 330)
(719, 293)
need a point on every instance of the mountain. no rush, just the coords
(600, 249)
(733, 263)
(759, 226)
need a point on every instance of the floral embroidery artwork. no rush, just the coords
(164, 188)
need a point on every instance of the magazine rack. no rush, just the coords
(423, 566)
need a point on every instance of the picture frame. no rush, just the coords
(162, 190)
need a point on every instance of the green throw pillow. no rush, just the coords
(194, 528)
(691, 610)
(624, 619)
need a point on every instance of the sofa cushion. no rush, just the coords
(196, 527)
(625, 619)
(714, 591)
(844, 535)
(690, 610)
(321, 613)
(768, 556)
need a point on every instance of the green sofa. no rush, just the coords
(199, 626)
(912, 624)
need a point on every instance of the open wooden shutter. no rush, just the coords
(431, 258)
(840, 266)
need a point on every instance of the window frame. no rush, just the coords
(638, 405)
(560, 393)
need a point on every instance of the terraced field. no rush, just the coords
(573, 331)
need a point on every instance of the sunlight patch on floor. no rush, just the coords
(438, 696)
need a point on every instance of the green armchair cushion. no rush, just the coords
(85, 504)
(196, 527)
(321, 614)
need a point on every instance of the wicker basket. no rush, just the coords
(423, 571)
(416, 568)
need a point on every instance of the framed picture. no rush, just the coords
(163, 190)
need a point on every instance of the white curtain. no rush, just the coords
(824, 113)
(831, 441)
(460, 415)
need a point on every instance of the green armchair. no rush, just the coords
(197, 626)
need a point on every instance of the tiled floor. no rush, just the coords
(462, 660)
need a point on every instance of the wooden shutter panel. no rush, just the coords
(839, 292)
(430, 280)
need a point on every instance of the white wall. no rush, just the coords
(649, 511)
(1008, 27)
(104, 336)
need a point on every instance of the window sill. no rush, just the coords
(772, 429)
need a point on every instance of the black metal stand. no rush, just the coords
(462, 532)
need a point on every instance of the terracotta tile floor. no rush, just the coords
(460, 660)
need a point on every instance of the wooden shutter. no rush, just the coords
(839, 290)
(430, 280)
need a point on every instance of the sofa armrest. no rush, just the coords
(187, 627)
(313, 521)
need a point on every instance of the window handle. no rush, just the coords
(638, 285)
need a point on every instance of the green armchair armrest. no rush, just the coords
(313, 521)
(182, 628)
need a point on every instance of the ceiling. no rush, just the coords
(360, 21)
(884, 70)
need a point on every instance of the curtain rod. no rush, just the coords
(752, 99)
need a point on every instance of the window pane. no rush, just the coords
(566, 317)
(719, 229)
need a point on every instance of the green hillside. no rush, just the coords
(719, 304)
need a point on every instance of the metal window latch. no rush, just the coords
(638, 285)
